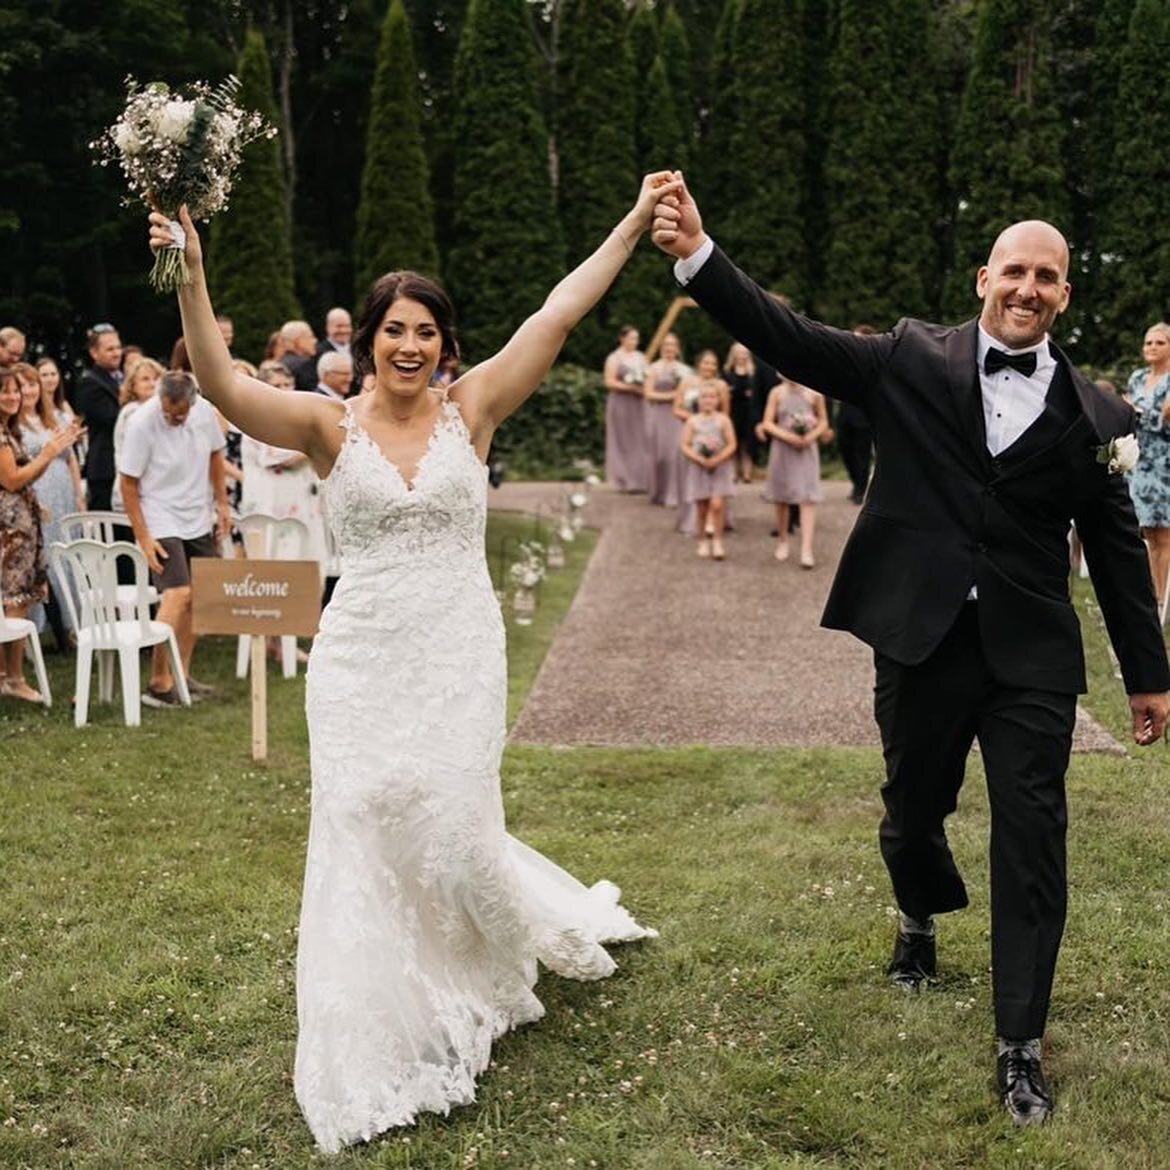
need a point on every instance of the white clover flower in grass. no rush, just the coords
(180, 148)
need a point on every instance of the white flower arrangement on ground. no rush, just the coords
(177, 148)
(528, 570)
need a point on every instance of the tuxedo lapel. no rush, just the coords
(965, 393)
(1065, 419)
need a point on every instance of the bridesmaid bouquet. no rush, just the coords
(801, 424)
(180, 147)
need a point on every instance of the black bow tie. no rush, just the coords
(996, 359)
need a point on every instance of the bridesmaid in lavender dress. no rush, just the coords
(708, 443)
(625, 426)
(663, 426)
(794, 419)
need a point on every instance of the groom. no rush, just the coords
(956, 573)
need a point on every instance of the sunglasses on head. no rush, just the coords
(103, 327)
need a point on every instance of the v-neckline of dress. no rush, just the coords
(411, 484)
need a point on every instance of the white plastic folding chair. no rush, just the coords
(99, 526)
(104, 628)
(102, 527)
(13, 629)
(266, 538)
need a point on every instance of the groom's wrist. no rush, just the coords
(686, 267)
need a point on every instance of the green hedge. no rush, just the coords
(560, 425)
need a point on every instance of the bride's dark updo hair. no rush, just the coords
(383, 293)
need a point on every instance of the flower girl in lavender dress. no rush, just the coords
(708, 445)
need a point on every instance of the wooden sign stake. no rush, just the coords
(259, 673)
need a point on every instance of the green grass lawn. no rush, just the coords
(150, 880)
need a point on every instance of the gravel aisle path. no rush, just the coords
(661, 647)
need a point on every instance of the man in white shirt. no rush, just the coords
(172, 467)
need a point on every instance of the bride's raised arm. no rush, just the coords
(492, 390)
(298, 422)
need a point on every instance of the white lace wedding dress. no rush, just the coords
(422, 918)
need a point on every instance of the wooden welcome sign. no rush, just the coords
(262, 599)
(242, 596)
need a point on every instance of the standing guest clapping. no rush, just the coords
(23, 581)
(663, 427)
(708, 443)
(59, 490)
(795, 417)
(1149, 482)
(625, 426)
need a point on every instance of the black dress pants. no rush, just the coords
(929, 716)
(855, 442)
(99, 493)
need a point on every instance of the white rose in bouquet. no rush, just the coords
(174, 121)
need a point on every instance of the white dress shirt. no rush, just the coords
(1012, 401)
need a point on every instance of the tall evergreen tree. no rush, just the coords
(643, 51)
(250, 256)
(598, 176)
(879, 171)
(1135, 273)
(675, 48)
(395, 218)
(765, 169)
(1008, 158)
(716, 166)
(508, 252)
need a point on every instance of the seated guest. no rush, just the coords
(172, 467)
(334, 375)
(300, 353)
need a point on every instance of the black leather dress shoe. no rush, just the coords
(1022, 1087)
(913, 961)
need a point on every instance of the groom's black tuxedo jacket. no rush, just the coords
(942, 514)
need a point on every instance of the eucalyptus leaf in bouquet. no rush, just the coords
(177, 147)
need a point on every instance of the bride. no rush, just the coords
(422, 920)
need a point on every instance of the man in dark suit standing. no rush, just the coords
(97, 401)
(988, 443)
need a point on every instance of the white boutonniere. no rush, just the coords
(1119, 455)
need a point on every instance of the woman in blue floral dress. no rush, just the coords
(1149, 482)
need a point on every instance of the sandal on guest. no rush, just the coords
(19, 689)
(782, 551)
(717, 550)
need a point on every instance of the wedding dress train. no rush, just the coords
(422, 920)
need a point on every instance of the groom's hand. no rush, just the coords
(1150, 713)
(677, 227)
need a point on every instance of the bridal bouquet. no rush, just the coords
(180, 147)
